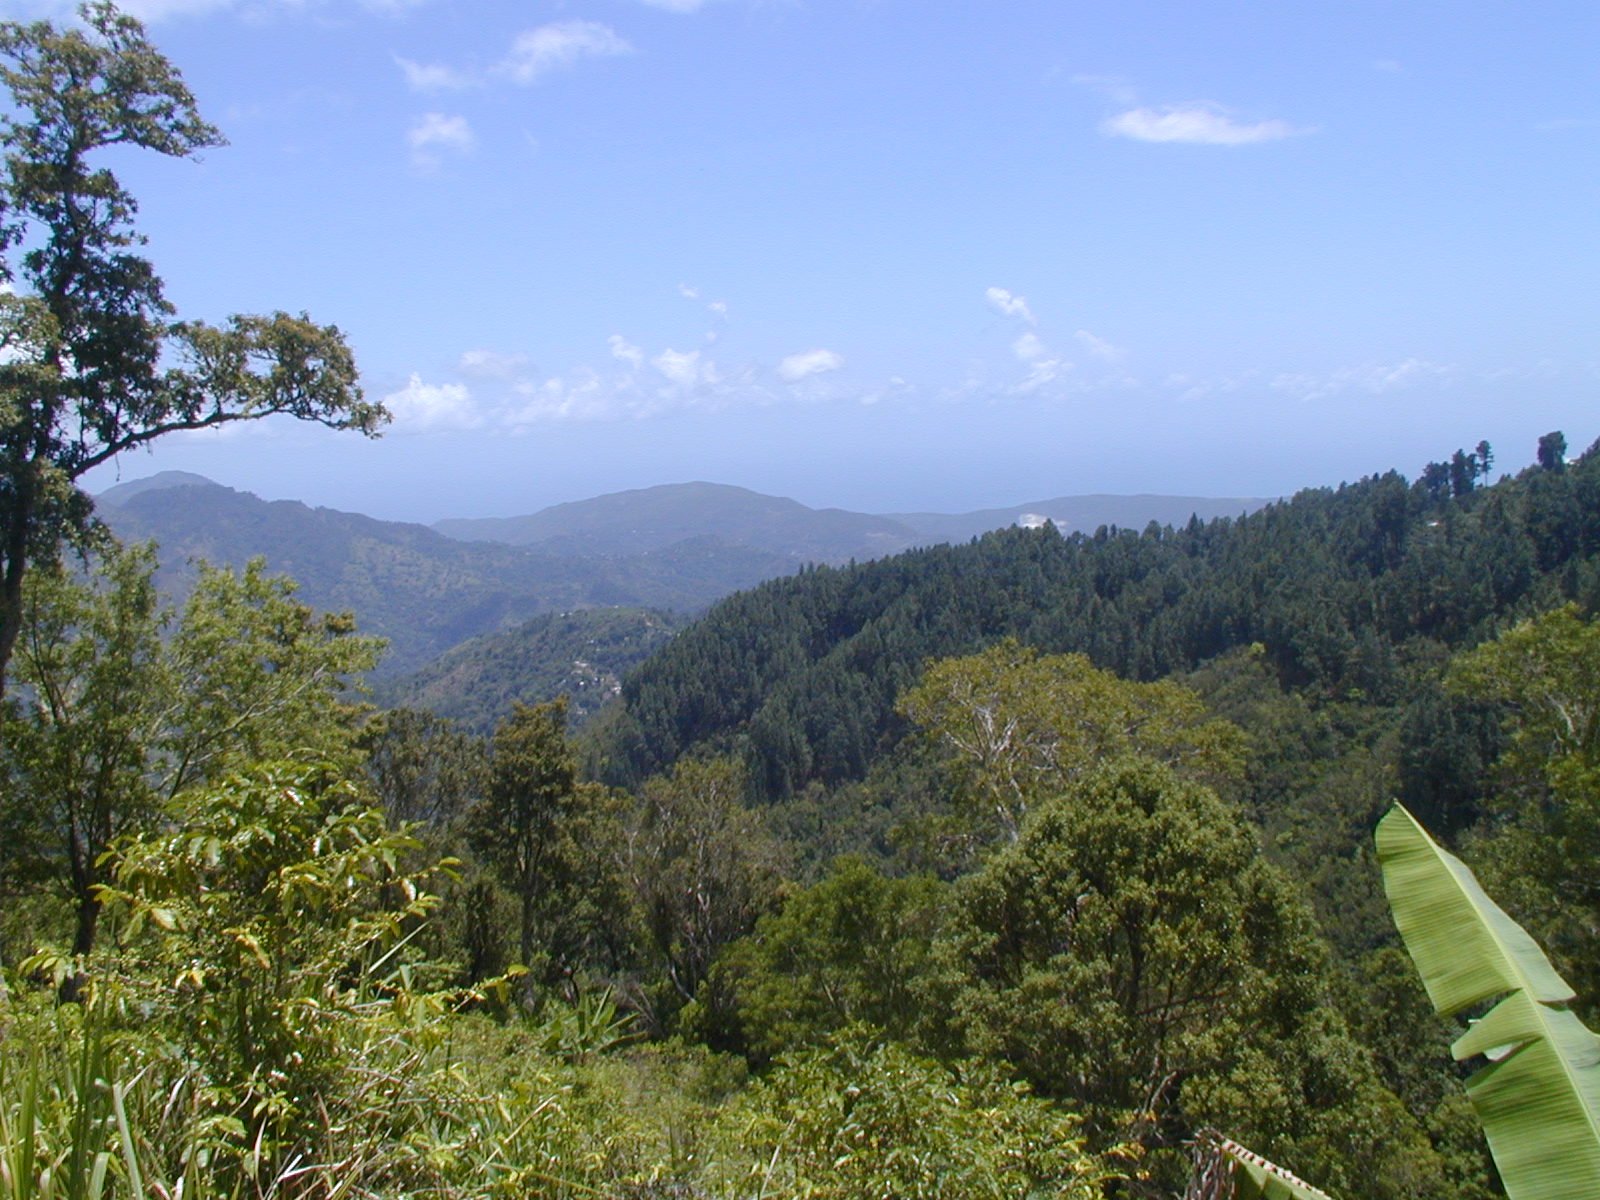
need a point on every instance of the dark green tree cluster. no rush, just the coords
(1347, 590)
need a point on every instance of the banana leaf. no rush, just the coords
(1538, 1095)
(1225, 1170)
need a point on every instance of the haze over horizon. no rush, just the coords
(887, 258)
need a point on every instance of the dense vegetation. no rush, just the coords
(1354, 593)
(1019, 868)
(582, 654)
(424, 592)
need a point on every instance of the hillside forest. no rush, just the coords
(1030, 866)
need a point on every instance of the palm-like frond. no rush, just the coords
(1539, 1094)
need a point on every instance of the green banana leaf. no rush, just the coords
(1538, 1097)
(1254, 1178)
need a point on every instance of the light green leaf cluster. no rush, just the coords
(1539, 1093)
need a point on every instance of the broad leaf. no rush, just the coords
(1539, 1095)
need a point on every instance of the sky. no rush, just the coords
(888, 255)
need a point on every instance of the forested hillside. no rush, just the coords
(422, 591)
(582, 654)
(1356, 592)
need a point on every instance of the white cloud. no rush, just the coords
(720, 307)
(1012, 306)
(560, 44)
(1098, 346)
(1028, 347)
(809, 362)
(423, 406)
(435, 134)
(1373, 378)
(432, 77)
(1196, 124)
(625, 351)
(688, 291)
(684, 368)
(491, 364)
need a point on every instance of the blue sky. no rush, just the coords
(890, 255)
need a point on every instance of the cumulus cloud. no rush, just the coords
(1028, 347)
(688, 291)
(1196, 124)
(435, 135)
(625, 351)
(432, 77)
(685, 368)
(536, 52)
(809, 362)
(1012, 306)
(423, 406)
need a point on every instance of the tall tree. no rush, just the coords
(93, 362)
(1017, 725)
(518, 828)
(118, 720)
(1553, 451)
(703, 869)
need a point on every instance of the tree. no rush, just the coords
(1541, 834)
(115, 721)
(1017, 725)
(518, 827)
(851, 949)
(92, 363)
(1133, 951)
(1553, 451)
(1485, 456)
(702, 868)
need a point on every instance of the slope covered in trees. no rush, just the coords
(1352, 593)
(419, 589)
(582, 654)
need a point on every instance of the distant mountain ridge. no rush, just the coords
(421, 590)
(676, 548)
(646, 519)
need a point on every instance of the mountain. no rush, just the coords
(423, 591)
(1355, 593)
(582, 654)
(653, 518)
(635, 522)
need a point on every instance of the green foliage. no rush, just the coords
(277, 918)
(1132, 951)
(94, 365)
(1542, 831)
(114, 720)
(1538, 1094)
(582, 654)
(849, 950)
(1349, 592)
(1015, 726)
(702, 869)
(518, 827)
(863, 1118)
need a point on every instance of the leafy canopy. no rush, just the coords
(94, 363)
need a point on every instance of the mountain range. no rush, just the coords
(646, 519)
(675, 548)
